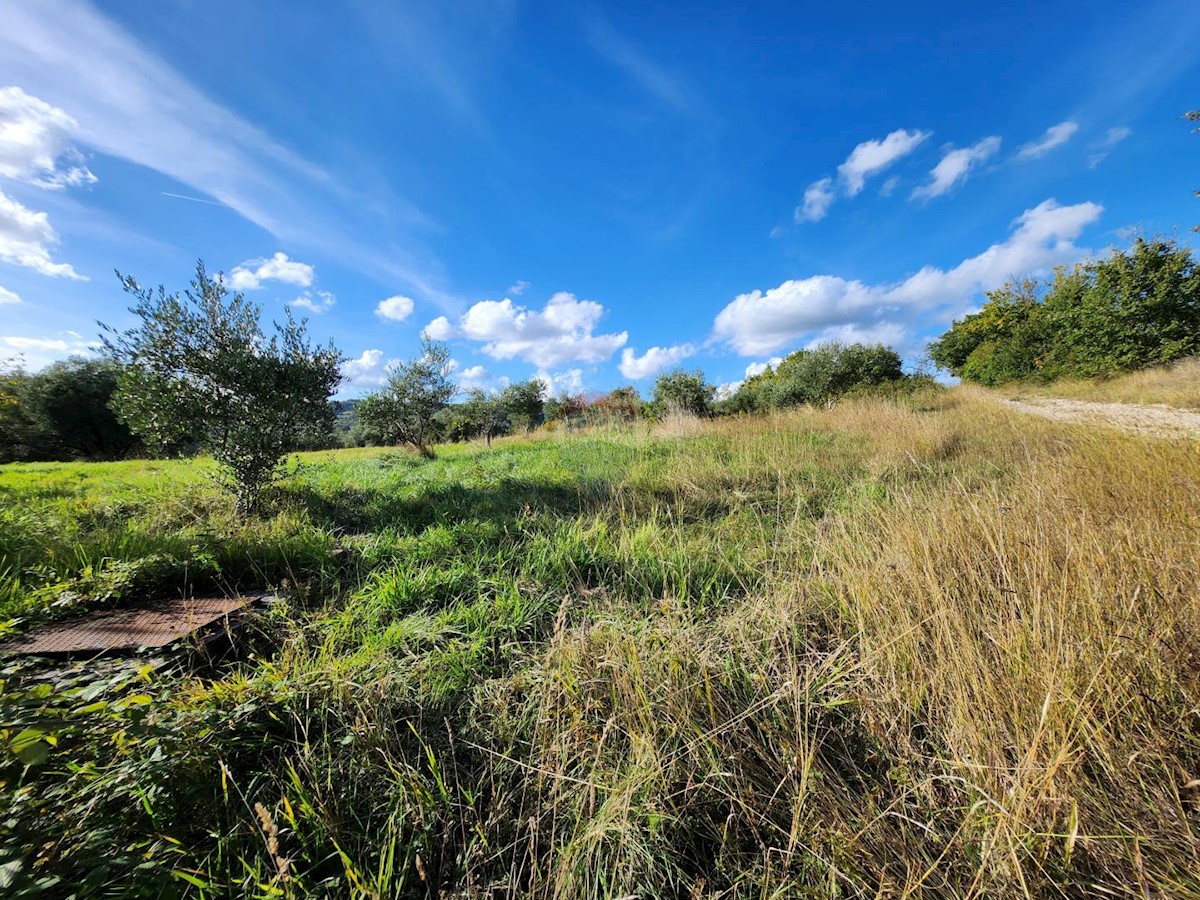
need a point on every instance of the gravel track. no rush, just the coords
(1154, 421)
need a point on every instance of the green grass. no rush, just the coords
(922, 649)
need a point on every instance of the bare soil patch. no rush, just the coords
(1155, 421)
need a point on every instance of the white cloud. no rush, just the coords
(517, 288)
(653, 361)
(439, 329)
(26, 238)
(323, 302)
(474, 378)
(36, 353)
(826, 306)
(759, 367)
(33, 137)
(818, 197)
(559, 333)
(394, 309)
(250, 275)
(369, 370)
(131, 104)
(870, 157)
(955, 166)
(888, 333)
(557, 384)
(1103, 147)
(1055, 136)
(727, 390)
(886, 189)
(7, 296)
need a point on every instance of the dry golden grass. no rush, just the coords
(1175, 385)
(935, 649)
(985, 684)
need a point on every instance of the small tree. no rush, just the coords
(199, 366)
(525, 402)
(404, 412)
(484, 413)
(681, 391)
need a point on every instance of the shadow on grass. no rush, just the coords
(357, 509)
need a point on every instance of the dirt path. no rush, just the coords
(1156, 421)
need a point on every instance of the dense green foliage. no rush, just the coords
(818, 375)
(680, 391)
(524, 402)
(1134, 309)
(406, 410)
(63, 412)
(199, 365)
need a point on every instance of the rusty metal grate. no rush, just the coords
(126, 629)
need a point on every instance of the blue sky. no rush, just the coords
(589, 192)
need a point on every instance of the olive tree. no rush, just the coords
(405, 410)
(198, 368)
(525, 402)
(680, 391)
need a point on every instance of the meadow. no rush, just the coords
(919, 647)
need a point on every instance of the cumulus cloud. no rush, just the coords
(889, 333)
(562, 331)
(653, 360)
(252, 273)
(26, 238)
(956, 166)
(395, 309)
(517, 288)
(323, 302)
(560, 383)
(824, 307)
(439, 329)
(818, 197)
(1055, 136)
(7, 296)
(35, 143)
(474, 378)
(1103, 147)
(368, 370)
(871, 157)
(757, 368)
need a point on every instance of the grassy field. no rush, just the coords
(919, 649)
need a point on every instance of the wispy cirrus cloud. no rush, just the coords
(1055, 136)
(649, 75)
(1101, 148)
(130, 103)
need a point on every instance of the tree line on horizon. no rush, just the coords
(199, 374)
